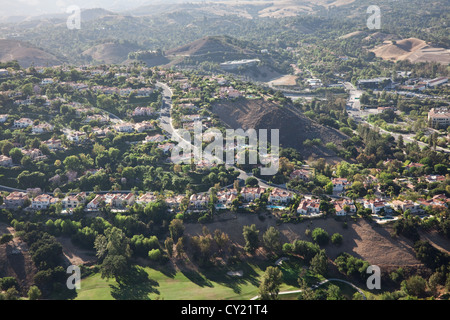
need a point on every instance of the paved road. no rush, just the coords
(167, 125)
(318, 285)
(360, 116)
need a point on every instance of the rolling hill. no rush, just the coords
(213, 48)
(412, 49)
(293, 126)
(26, 54)
(111, 53)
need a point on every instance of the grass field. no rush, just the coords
(187, 285)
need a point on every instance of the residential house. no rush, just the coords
(76, 136)
(339, 184)
(3, 118)
(23, 123)
(146, 198)
(47, 81)
(144, 92)
(143, 126)
(95, 203)
(143, 111)
(15, 199)
(341, 205)
(53, 144)
(278, 195)
(166, 147)
(41, 128)
(439, 117)
(175, 201)
(73, 201)
(434, 178)
(377, 206)
(309, 207)
(43, 201)
(199, 201)
(225, 197)
(124, 127)
(403, 205)
(302, 174)
(155, 138)
(34, 154)
(5, 161)
(250, 194)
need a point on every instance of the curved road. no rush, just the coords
(354, 110)
(319, 284)
(167, 125)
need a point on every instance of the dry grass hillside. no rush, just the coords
(112, 53)
(26, 54)
(293, 126)
(361, 238)
(412, 49)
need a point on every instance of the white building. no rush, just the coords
(23, 123)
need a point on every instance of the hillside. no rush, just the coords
(294, 127)
(214, 48)
(26, 54)
(412, 49)
(111, 53)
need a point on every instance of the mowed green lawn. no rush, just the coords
(210, 285)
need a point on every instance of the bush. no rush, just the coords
(414, 286)
(320, 236)
(7, 283)
(337, 238)
(154, 254)
(7, 237)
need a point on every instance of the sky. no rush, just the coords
(10, 8)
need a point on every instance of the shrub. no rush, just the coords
(7, 283)
(154, 254)
(320, 236)
(337, 238)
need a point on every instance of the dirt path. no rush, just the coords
(75, 255)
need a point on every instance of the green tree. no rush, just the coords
(250, 234)
(319, 264)
(320, 236)
(336, 238)
(414, 286)
(270, 284)
(114, 252)
(16, 155)
(34, 293)
(251, 182)
(271, 240)
(176, 229)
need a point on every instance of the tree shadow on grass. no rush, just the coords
(135, 285)
(235, 283)
(167, 269)
(195, 277)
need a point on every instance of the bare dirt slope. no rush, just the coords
(26, 54)
(293, 126)
(362, 239)
(75, 255)
(412, 49)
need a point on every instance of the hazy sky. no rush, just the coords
(38, 7)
